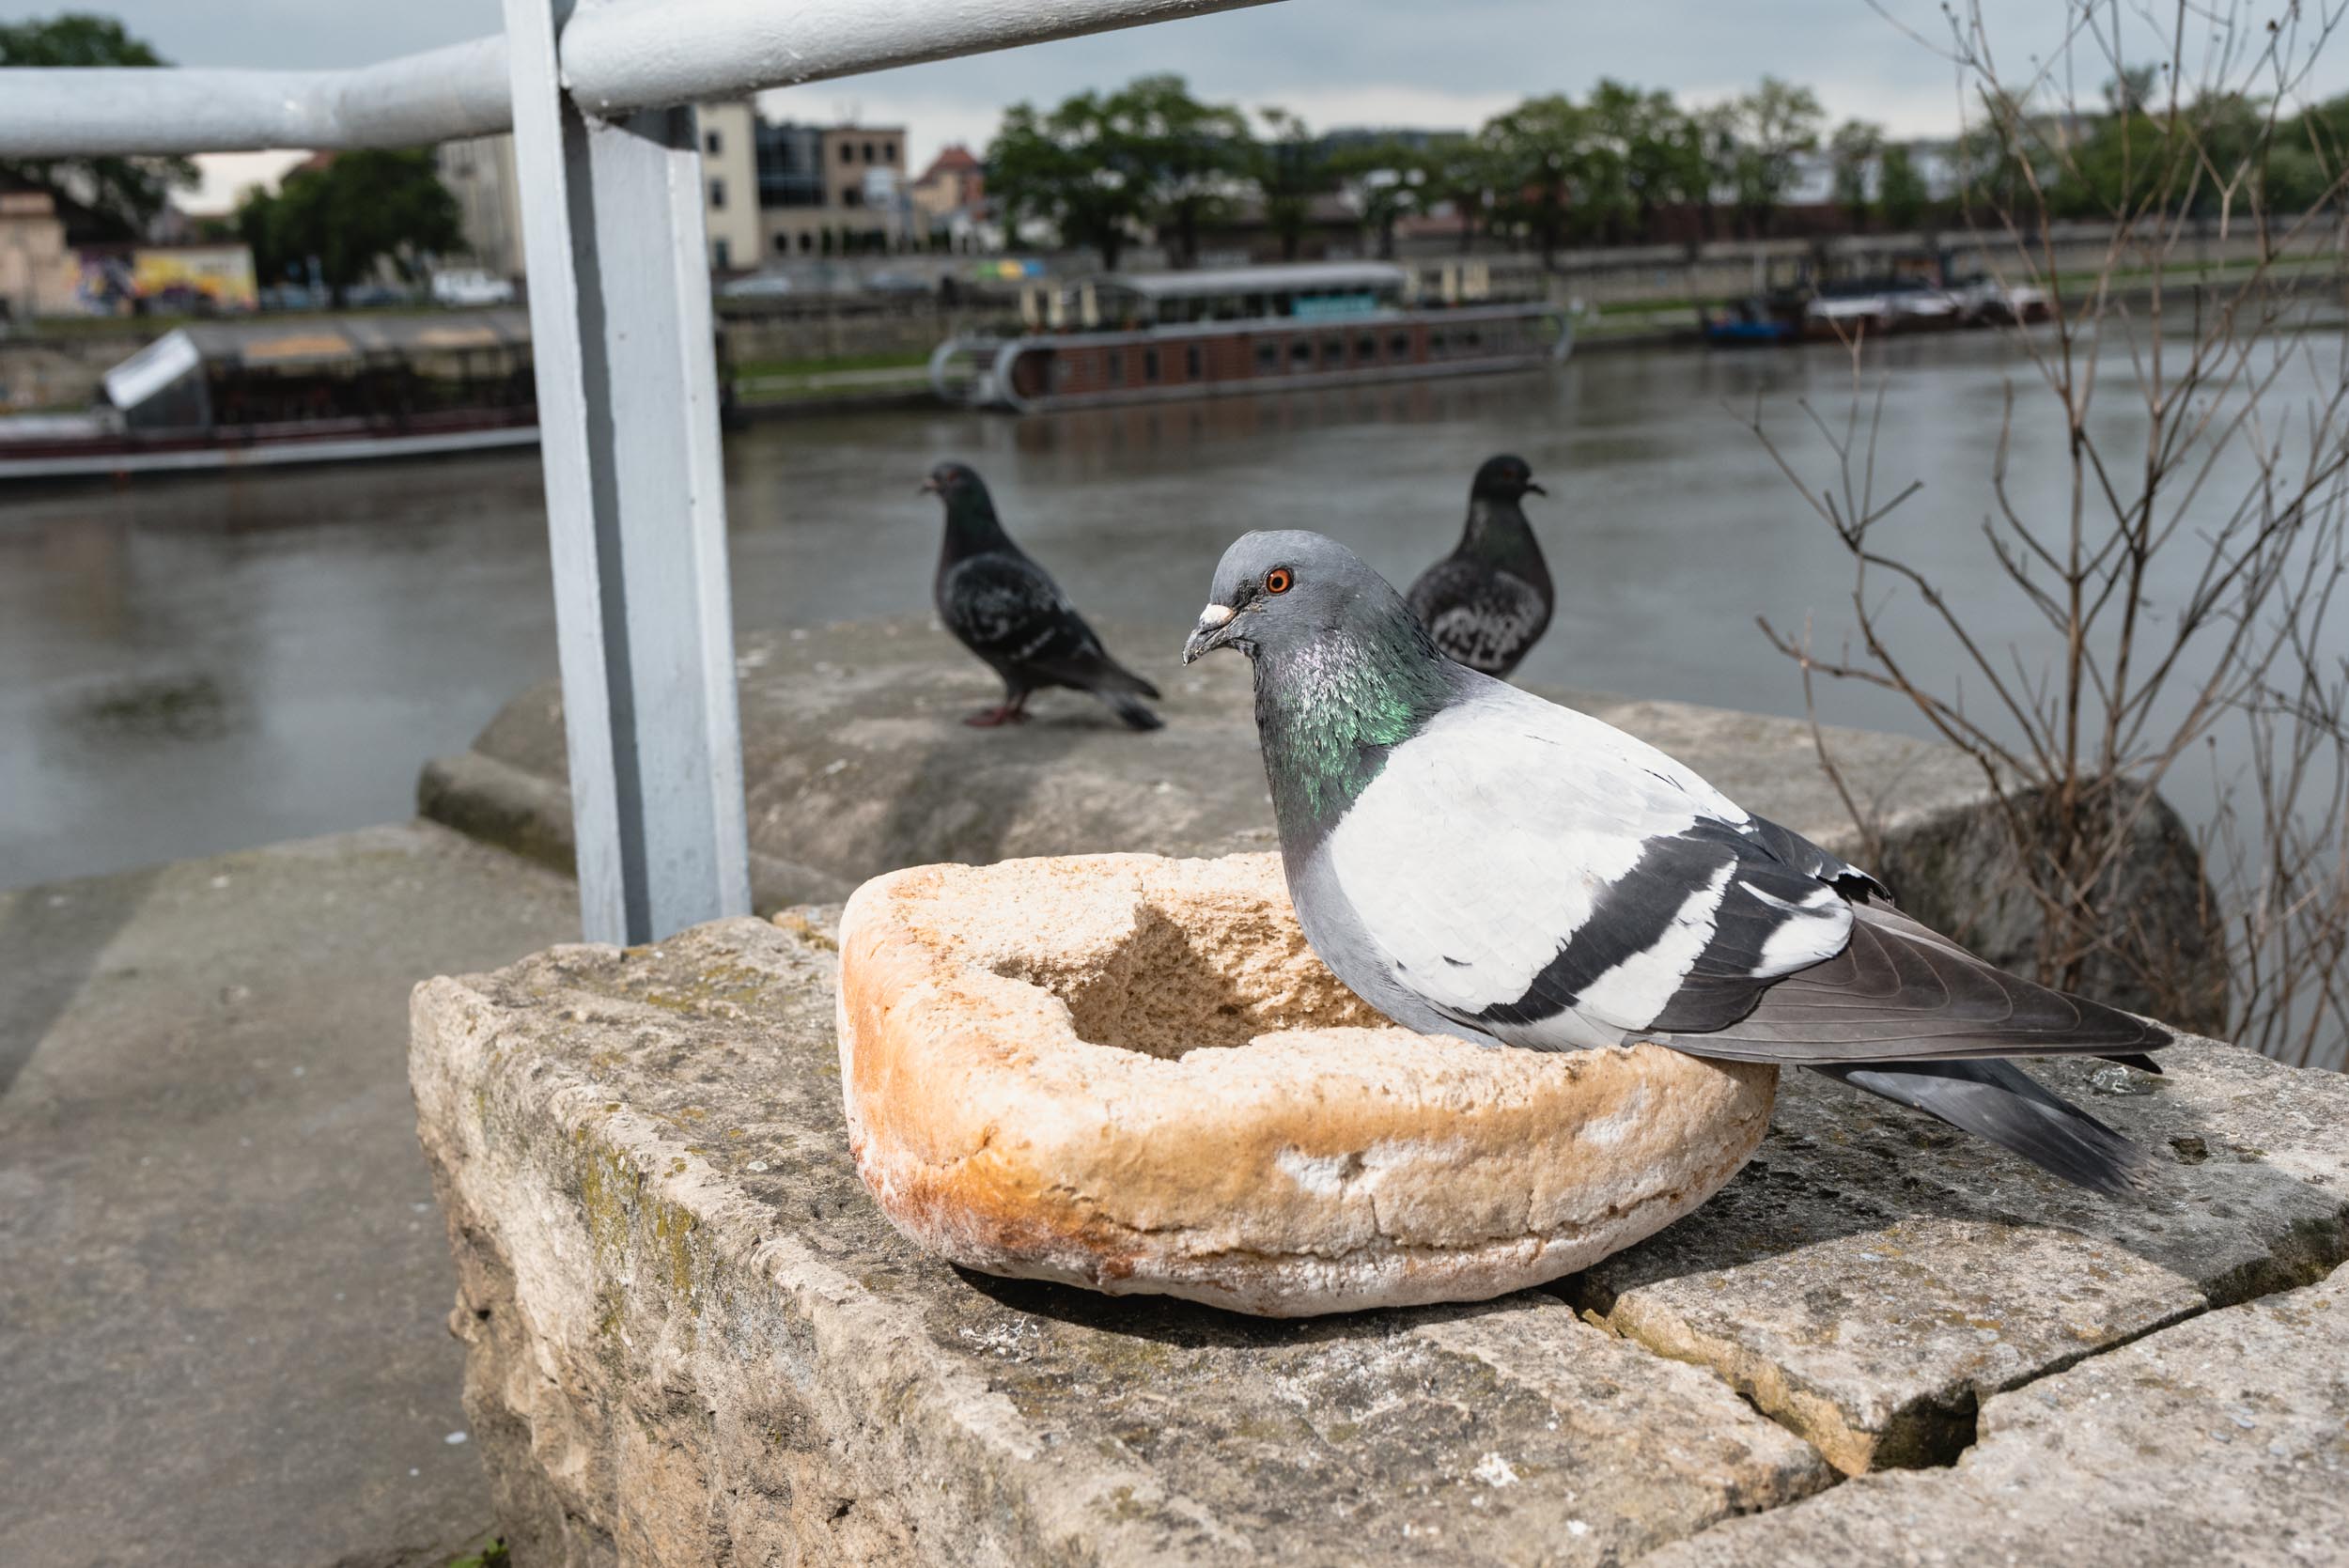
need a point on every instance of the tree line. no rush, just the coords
(1621, 165)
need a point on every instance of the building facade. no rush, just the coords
(38, 275)
(770, 193)
(730, 196)
(828, 190)
(479, 173)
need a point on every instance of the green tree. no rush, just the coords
(1853, 148)
(1658, 150)
(360, 210)
(1290, 170)
(122, 196)
(1387, 181)
(1460, 173)
(1541, 158)
(1075, 169)
(1771, 127)
(1901, 193)
(1187, 156)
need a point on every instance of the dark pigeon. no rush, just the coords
(1488, 602)
(1474, 861)
(1009, 612)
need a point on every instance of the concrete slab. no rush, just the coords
(224, 1290)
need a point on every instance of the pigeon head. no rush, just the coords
(970, 523)
(950, 481)
(1503, 478)
(1283, 591)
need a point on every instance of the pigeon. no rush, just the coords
(1009, 612)
(1488, 602)
(1472, 860)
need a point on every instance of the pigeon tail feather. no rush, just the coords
(1992, 1099)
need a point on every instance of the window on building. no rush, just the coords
(848, 153)
(1399, 346)
(1149, 365)
(717, 196)
(1301, 352)
(1333, 350)
(783, 243)
(1193, 365)
(1118, 368)
(721, 256)
(853, 196)
(807, 240)
(868, 152)
(889, 152)
(1267, 358)
(712, 143)
(1366, 350)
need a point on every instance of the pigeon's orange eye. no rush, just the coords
(1277, 581)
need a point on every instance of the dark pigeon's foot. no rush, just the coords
(1007, 714)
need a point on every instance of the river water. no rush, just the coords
(200, 664)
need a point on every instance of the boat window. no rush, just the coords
(1267, 358)
(1149, 365)
(1367, 349)
(1399, 346)
(1118, 368)
(1193, 365)
(1301, 352)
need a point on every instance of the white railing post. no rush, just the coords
(628, 415)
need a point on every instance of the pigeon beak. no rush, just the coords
(1532, 489)
(927, 486)
(1215, 629)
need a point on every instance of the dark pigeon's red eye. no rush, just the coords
(1277, 581)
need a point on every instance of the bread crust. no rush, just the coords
(1130, 1072)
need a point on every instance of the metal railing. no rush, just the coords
(598, 95)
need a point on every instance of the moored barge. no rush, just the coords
(1132, 338)
(231, 394)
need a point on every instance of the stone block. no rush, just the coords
(1872, 1276)
(2223, 1440)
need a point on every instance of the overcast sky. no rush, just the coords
(1336, 62)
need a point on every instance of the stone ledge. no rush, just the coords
(856, 763)
(691, 1337)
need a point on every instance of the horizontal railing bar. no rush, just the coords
(115, 111)
(618, 55)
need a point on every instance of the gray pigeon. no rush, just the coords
(1009, 612)
(1488, 602)
(1474, 861)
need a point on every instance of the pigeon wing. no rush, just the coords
(1009, 611)
(1480, 617)
(1540, 876)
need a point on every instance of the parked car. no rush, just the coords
(471, 287)
(758, 286)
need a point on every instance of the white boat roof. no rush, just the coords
(1308, 277)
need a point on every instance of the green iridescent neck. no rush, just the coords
(1328, 713)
